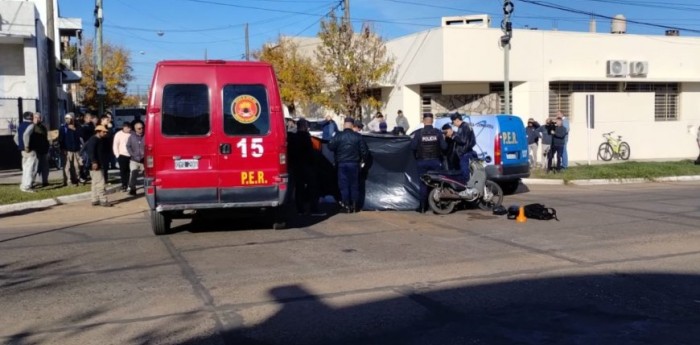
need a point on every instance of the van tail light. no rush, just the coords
(282, 182)
(497, 150)
(149, 162)
(283, 158)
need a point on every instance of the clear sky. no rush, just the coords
(156, 30)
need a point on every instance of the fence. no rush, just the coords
(11, 110)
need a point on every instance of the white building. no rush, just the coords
(25, 66)
(650, 94)
(647, 88)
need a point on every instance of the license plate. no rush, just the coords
(186, 164)
(512, 155)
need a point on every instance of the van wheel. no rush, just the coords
(509, 187)
(279, 221)
(160, 222)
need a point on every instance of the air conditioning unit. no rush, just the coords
(617, 68)
(639, 68)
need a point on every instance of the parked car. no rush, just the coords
(501, 137)
(215, 140)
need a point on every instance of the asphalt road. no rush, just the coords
(621, 267)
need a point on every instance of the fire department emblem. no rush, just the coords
(245, 109)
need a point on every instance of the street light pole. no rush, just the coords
(507, 28)
(101, 92)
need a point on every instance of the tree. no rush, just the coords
(354, 62)
(300, 81)
(116, 73)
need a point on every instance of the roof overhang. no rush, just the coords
(14, 38)
(71, 77)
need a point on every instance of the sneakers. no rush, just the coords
(28, 190)
(132, 191)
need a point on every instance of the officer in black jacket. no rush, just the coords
(464, 146)
(350, 151)
(428, 144)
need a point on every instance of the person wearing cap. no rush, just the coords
(533, 137)
(373, 126)
(427, 144)
(451, 157)
(29, 160)
(401, 121)
(464, 147)
(383, 128)
(122, 154)
(69, 142)
(350, 151)
(98, 156)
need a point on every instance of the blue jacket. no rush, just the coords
(69, 139)
(329, 129)
(20, 134)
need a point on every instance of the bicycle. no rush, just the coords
(613, 148)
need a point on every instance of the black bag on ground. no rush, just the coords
(538, 211)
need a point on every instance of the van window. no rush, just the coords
(185, 110)
(246, 111)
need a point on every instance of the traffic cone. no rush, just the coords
(521, 217)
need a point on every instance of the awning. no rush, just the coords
(71, 77)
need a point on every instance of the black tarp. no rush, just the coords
(389, 181)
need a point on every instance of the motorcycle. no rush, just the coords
(445, 193)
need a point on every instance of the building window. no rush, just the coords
(427, 92)
(665, 99)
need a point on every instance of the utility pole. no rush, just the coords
(101, 91)
(51, 42)
(507, 28)
(247, 44)
(346, 12)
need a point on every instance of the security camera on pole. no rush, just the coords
(507, 28)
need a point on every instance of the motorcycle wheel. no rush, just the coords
(438, 206)
(495, 200)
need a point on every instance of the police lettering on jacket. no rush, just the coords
(429, 143)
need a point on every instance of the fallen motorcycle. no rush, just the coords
(447, 192)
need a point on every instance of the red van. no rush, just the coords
(215, 139)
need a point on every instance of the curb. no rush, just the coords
(45, 203)
(598, 182)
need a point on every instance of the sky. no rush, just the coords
(154, 30)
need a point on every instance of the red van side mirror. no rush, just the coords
(154, 110)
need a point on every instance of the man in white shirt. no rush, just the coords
(373, 126)
(123, 157)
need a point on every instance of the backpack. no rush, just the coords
(538, 211)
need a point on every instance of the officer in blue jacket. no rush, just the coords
(428, 144)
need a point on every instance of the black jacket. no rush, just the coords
(559, 136)
(300, 150)
(95, 149)
(464, 139)
(428, 143)
(39, 139)
(349, 146)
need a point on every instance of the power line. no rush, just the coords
(573, 10)
(251, 7)
(173, 30)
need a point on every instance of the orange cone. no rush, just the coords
(521, 217)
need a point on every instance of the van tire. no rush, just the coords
(160, 222)
(509, 187)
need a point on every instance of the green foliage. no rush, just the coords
(626, 170)
(355, 63)
(300, 80)
(116, 73)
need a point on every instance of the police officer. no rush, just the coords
(350, 151)
(428, 144)
(464, 146)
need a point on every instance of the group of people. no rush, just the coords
(432, 147)
(553, 136)
(89, 148)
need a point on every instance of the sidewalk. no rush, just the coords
(15, 176)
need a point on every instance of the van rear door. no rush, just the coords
(185, 157)
(513, 144)
(253, 137)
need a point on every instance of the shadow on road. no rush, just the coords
(593, 309)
